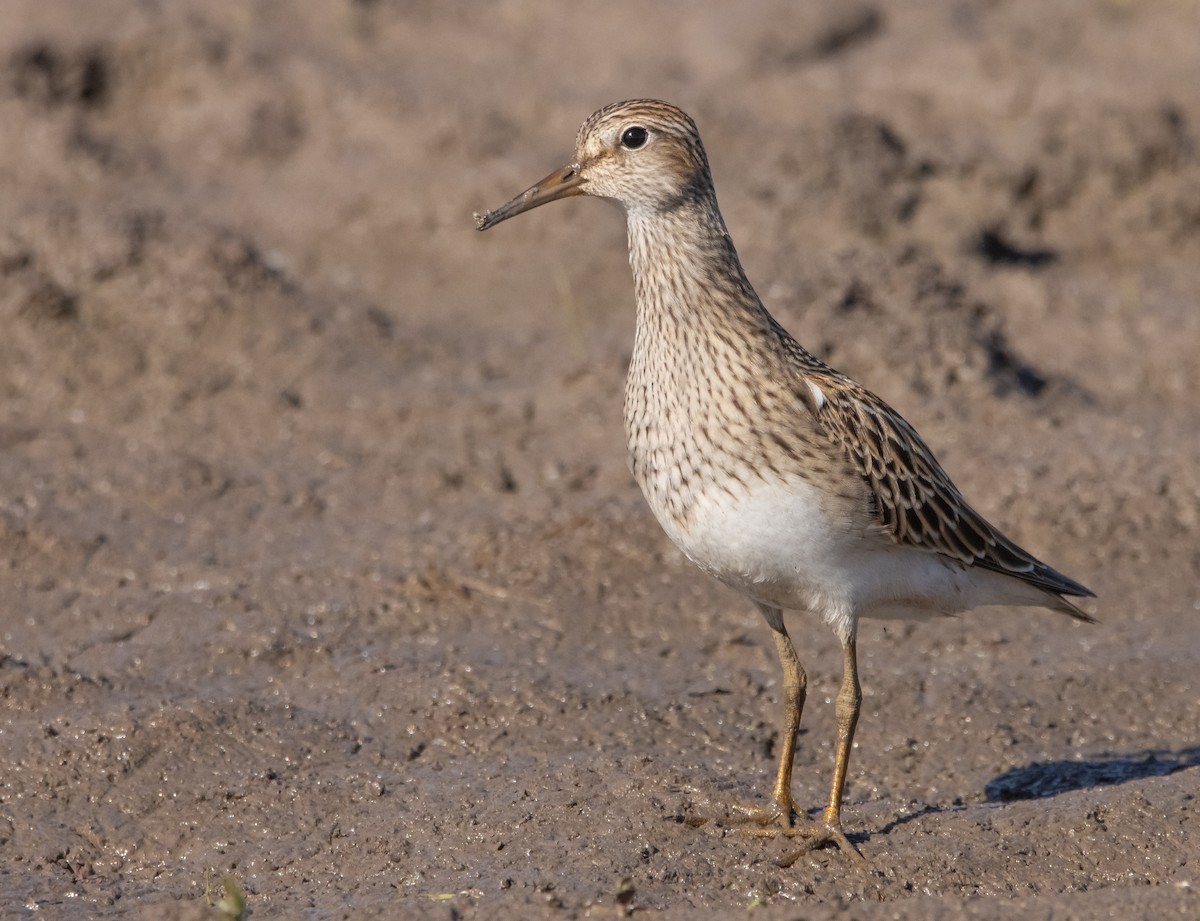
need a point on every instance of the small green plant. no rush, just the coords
(231, 905)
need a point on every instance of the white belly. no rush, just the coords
(764, 541)
(782, 546)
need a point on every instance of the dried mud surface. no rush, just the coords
(321, 567)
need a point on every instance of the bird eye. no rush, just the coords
(633, 138)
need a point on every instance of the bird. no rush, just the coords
(784, 479)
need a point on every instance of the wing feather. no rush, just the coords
(912, 496)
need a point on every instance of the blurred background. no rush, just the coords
(322, 568)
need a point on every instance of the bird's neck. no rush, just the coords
(688, 281)
(701, 337)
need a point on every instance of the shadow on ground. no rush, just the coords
(1050, 778)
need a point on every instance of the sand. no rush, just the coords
(322, 568)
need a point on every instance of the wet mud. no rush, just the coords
(320, 566)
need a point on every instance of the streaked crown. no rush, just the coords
(644, 153)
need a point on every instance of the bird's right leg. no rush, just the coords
(795, 689)
(785, 810)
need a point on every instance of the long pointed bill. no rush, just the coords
(562, 183)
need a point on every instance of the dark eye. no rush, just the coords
(634, 137)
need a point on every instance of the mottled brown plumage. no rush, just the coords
(773, 472)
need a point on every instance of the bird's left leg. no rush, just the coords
(786, 818)
(829, 829)
(849, 702)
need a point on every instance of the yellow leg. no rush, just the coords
(849, 702)
(795, 688)
(850, 697)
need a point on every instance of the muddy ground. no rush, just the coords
(320, 566)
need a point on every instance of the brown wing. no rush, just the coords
(913, 498)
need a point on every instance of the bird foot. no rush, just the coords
(773, 822)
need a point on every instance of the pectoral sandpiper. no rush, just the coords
(773, 472)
